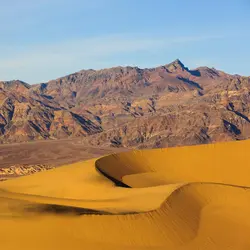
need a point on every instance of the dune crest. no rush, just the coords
(194, 197)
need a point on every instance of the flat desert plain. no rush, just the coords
(195, 197)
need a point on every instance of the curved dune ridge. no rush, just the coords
(195, 197)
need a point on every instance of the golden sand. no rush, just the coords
(194, 197)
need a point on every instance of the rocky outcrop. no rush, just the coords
(129, 107)
(20, 170)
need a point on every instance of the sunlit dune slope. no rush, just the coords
(177, 198)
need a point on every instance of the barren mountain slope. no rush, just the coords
(128, 106)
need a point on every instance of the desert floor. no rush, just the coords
(194, 197)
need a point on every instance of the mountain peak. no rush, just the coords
(176, 65)
(178, 62)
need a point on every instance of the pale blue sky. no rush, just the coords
(45, 39)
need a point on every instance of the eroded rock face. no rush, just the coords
(129, 107)
(27, 115)
(20, 170)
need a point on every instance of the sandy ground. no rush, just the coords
(50, 152)
(178, 198)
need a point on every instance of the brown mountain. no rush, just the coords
(128, 106)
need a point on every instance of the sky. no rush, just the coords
(41, 40)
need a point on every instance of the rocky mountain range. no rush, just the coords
(129, 107)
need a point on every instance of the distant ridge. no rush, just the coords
(129, 107)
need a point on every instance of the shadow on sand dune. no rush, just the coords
(60, 209)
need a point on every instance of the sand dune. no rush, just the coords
(194, 197)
